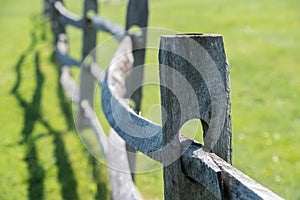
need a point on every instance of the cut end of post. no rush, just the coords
(191, 35)
(187, 34)
(200, 90)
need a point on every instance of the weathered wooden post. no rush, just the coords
(56, 26)
(194, 77)
(87, 85)
(137, 15)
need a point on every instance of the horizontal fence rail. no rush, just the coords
(219, 179)
(191, 170)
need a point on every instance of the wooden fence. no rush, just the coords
(195, 63)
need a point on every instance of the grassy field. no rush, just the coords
(41, 154)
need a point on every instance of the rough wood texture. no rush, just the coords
(195, 81)
(198, 166)
(87, 85)
(116, 78)
(194, 84)
(239, 186)
(198, 171)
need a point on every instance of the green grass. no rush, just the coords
(41, 154)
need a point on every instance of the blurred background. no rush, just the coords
(41, 155)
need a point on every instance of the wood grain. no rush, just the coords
(193, 74)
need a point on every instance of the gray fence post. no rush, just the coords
(137, 15)
(87, 85)
(194, 84)
(57, 27)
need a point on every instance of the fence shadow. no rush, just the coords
(32, 115)
(66, 175)
(64, 103)
(102, 191)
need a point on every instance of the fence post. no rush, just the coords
(137, 15)
(194, 77)
(87, 85)
(57, 27)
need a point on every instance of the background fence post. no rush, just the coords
(56, 26)
(201, 61)
(137, 15)
(87, 85)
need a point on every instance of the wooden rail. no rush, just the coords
(194, 77)
(190, 172)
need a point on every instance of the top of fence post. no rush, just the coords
(194, 77)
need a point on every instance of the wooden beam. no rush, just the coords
(103, 24)
(194, 84)
(121, 181)
(238, 186)
(120, 168)
(198, 166)
(139, 133)
(96, 126)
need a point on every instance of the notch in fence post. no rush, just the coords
(87, 85)
(194, 77)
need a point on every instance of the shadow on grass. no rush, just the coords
(66, 107)
(102, 190)
(32, 116)
(66, 175)
(65, 104)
